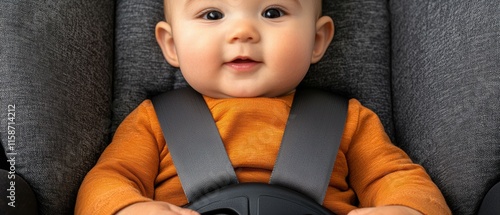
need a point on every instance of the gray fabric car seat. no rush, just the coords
(446, 93)
(56, 67)
(429, 69)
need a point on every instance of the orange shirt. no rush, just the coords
(369, 170)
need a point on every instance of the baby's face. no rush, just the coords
(242, 48)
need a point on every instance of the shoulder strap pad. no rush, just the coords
(194, 142)
(311, 142)
(307, 154)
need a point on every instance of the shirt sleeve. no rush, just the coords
(126, 171)
(382, 174)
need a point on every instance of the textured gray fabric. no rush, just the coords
(357, 63)
(56, 63)
(446, 92)
(56, 68)
(140, 69)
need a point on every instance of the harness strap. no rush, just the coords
(194, 142)
(310, 142)
(305, 161)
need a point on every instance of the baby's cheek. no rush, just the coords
(198, 60)
(294, 60)
(294, 51)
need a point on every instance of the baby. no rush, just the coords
(246, 57)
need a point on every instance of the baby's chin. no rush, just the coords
(245, 93)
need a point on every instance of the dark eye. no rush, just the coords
(273, 13)
(213, 15)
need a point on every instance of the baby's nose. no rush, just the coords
(244, 31)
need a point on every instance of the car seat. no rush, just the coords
(429, 69)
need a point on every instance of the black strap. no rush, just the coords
(194, 142)
(311, 142)
(307, 154)
(490, 202)
(3, 158)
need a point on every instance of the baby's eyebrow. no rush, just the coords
(189, 2)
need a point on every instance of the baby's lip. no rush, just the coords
(243, 64)
(242, 59)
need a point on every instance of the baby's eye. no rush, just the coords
(213, 15)
(273, 13)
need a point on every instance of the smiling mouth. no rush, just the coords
(242, 64)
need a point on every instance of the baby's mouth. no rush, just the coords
(242, 60)
(242, 64)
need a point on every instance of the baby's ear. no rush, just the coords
(165, 39)
(324, 35)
